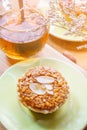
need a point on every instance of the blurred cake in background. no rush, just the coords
(70, 15)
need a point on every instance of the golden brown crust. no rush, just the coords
(45, 101)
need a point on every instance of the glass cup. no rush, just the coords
(23, 36)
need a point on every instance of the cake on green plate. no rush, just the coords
(42, 89)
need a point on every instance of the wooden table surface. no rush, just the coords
(47, 51)
(62, 45)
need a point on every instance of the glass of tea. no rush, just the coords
(23, 31)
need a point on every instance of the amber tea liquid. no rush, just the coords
(24, 39)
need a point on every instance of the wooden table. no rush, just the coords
(47, 51)
(62, 45)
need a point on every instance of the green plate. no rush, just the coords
(71, 116)
(60, 33)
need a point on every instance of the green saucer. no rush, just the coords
(71, 116)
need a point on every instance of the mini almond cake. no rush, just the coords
(42, 89)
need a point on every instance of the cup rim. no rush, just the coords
(46, 22)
